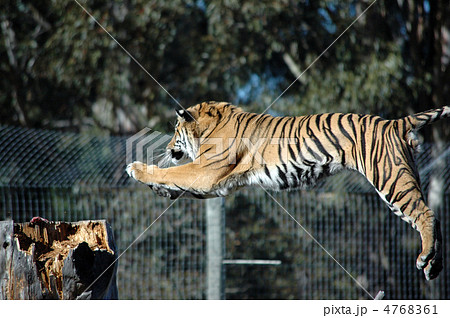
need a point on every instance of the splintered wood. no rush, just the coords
(57, 260)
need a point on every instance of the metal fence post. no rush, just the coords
(214, 248)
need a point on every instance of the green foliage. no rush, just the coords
(62, 70)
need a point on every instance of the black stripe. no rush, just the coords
(267, 172)
(283, 178)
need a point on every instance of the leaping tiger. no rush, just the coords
(229, 148)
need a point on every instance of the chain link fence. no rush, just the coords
(72, 177)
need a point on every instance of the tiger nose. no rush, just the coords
(176, 154)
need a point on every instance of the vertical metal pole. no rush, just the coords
(214, 248)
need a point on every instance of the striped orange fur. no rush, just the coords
(228, 148)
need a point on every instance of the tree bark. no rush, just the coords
(57, 260)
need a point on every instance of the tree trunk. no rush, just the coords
(57, 260)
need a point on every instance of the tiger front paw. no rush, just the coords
(140, 171)
(147, 175)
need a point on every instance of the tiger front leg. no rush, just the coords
(189, 179)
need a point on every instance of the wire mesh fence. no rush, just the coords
(71, 177)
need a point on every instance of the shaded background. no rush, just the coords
(60, 70)
(64, 76)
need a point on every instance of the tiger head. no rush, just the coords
(193, 124)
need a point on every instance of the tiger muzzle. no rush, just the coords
(177, 155)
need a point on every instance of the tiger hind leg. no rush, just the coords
(412, 208)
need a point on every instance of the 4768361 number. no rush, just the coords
(411, 309)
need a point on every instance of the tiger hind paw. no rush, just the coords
(431, 263)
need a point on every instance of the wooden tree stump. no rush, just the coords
(57, 260)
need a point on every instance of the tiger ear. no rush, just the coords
(184, 114)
